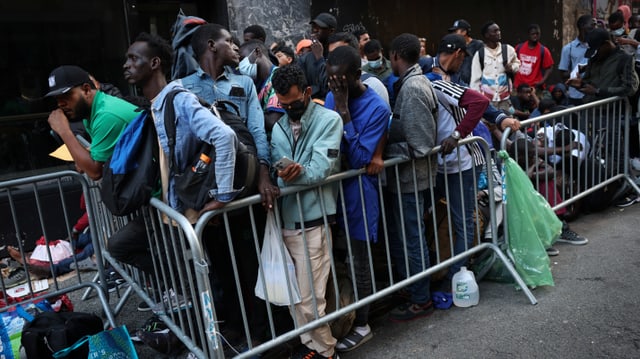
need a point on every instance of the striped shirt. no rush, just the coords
(460, 109)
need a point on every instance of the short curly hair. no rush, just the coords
(288, 76)
(201, 37)
(407, 47)
(345, 55)
(158, 47)
(258, 32)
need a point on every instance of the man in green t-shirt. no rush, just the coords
(104, 117)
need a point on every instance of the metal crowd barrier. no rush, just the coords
(243, 245)
(587, 175)
(30, 201)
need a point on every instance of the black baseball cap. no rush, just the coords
(325, 20)
(451, 43)
(64, 78)
(460, 24)
(595, 39)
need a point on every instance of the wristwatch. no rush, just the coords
(456, 135)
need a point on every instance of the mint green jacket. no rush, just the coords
(318, 151)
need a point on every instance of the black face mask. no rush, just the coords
(296, 109)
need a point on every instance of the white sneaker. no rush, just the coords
(635, 163)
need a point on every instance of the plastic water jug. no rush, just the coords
(465, 288)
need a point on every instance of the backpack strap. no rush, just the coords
(518, 47)
(170, 124)
(481, 57)
(505, 55)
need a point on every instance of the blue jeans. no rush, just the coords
(84, 242)
(410, 251)
(461, 202)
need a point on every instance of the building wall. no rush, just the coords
(386, 19)
(282, 19)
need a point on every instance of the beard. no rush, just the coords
(81, 111)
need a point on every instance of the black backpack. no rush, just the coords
(185, 63)
(132, 173)
(193, 187)
(50, 332)
(505, 56)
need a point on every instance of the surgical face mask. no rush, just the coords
(376, 64)
(247, 68)
(618, 32)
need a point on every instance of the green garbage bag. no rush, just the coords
(531, 224)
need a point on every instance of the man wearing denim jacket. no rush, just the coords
(309, 136)
(213, 80)
(147, 62)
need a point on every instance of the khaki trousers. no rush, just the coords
(319, 339)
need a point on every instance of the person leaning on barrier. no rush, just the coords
(148, 60)
(104, 116)
(215, 51)
(459, 112)
(365, 117)
(447, 65)
(412, 135)
(309, 136)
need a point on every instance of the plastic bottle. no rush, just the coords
(465, 288)
(202, 164)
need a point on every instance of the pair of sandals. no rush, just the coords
(353, 340)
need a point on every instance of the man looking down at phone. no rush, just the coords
(309, 135)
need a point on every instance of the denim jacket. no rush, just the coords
(195, 124)
(240, 90)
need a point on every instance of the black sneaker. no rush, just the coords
(410, 311)
(163, 341)
(114, 281)
(153, 325)
(627, 201)
(143, 307)
(552, 252)
(571, 237)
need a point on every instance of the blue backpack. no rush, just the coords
(132, 173)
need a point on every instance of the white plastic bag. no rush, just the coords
(277, 267)
(60, 250)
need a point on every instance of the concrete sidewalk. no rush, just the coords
(591, 312)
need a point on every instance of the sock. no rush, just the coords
(362, 330)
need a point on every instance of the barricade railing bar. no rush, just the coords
(378, 254)
(177, 289)
(189, 273)
(33, 190)
(586, 152)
